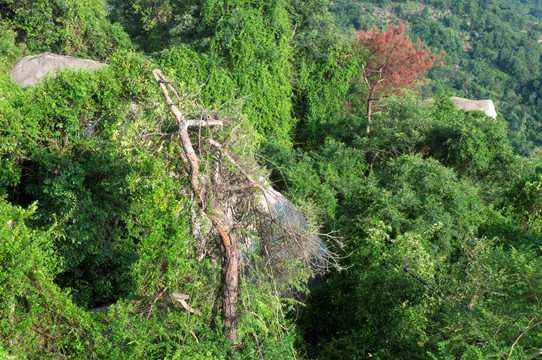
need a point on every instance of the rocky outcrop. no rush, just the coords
(481, 105)
(28, 70)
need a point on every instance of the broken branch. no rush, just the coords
(181, 298)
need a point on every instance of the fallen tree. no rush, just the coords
(225, 190)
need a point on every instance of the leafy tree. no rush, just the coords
(9, 51)
(325, 97)
(247, 43)
(392, 63)
(252, 40)
(402, 129)
(313, 31)
(39, 320)
(48, 141)
(468, 141)
(64, 27)
(490, 311)
(161, 24)
(413, 214)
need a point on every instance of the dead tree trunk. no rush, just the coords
(230, 273)
(224, 224)
(230, 289)
(225, 196)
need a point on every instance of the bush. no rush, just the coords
(65, 27)
(37, 318)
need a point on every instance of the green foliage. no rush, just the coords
(166, 332)
(325, 100)
(473, 144)
(200, 74)
(130, 235)
(526, 201)
(9, 51)
(13, 125)
(152, 325)
(490, 309)
(416, 226)
(252, 39)
(239, 49)
(314, 32)
(408, 226)
(64, 27)
(160, 224)
(470, 142)
(440, 223)
(38, 318)
(427, 193)
(317, 179)
(492, 51)
(517, 211)
(92, 250)
(52, 135)
(165, 24)
(375, 309)
(401, 128)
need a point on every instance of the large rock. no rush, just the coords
(28, 70)
(482, 105)
(309, 247)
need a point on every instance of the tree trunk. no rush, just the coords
(224, 224)
(230, 269)
(369, 112)
(230, 289)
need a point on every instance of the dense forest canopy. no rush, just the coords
(143, 188)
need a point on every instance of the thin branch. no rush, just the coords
(154, 302)
(193, 161)
(160, 78)
(237, 188)
(253, 182)
(536, 353)
(425, 283)
(521, 335)
(183, 132)
(190, 123)
(195, 337)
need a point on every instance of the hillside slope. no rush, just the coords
(493, 52)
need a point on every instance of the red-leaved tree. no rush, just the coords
(392, 64)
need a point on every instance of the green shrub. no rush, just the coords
(64, 27)
(37, 318)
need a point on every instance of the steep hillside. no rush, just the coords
(493, 52)
(137, 219)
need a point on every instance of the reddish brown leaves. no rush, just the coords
(392, 63)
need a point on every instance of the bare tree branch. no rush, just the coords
(527, 329)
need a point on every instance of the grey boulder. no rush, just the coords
(486, 106)
(28, 70)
